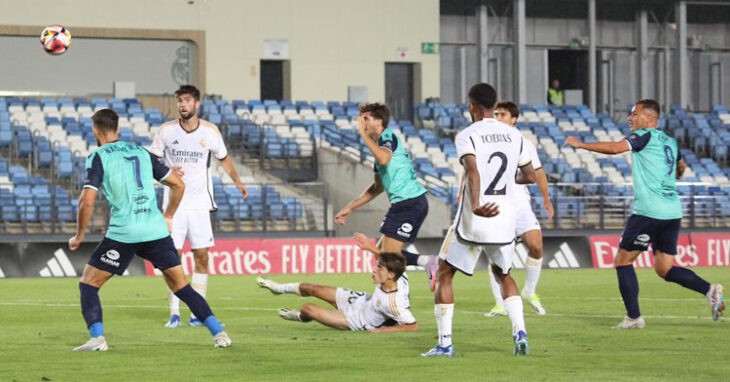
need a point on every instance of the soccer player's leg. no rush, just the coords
(162, 254)
(501, 258)
(329, 317)
(109, 258)
(201, 238)
(634, 240)
(533, 267)
(498, 309)
(664, 243)
(277, 288)
(454, 255)
(178, 234)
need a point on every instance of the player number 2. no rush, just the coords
(135, 164)
(503, 166)
(669, 156)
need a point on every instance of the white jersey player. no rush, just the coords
(527, 226)
(387, 309)
(188, 146)
(491, 152)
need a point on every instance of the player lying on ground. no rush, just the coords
(126, 172)
(388, 309)
(656, 165)
(527, 227)
(188, 145)
(395, 175)
(491, 153)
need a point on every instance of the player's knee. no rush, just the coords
(662, 269)
(535, 251)
(308, 310)
(306, 289)
(201, 262)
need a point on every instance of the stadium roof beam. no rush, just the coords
(592, 61)
(483, 45)
(642, 43)
(682, 67)
(520, 52)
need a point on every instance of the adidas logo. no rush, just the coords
(58, 266)
(563, 258)
(175, 142)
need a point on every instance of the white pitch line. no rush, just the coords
(699, 300)
(244, 308)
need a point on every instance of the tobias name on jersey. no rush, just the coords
(496, 138)
(186, 156)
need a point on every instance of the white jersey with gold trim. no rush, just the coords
(498, 149)
(192, 151)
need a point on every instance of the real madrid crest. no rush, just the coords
(202, 142)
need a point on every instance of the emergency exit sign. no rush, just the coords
(429, 48)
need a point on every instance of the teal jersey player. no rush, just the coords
(398, 176)
(657, 216)
(126, 172)
(655, 156)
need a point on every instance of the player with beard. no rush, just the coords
(187, 145)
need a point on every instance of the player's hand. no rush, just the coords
(75, 242)
(364, 243)
(361, 125)
(571, 141)
(342, 216)
(178, 171)
(168, 221)
(547, 206)
(488, 210)
(243, 190)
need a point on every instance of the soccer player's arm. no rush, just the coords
(681, 166)
(221, 153)
(94, 177)
(467, 156)
(527, 172)
(610, 148)
(406, 322)
(369, 194)
(383, 149)
(158, 144)
(170, 179)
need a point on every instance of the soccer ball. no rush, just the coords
(56, 39)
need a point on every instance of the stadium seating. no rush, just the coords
(54, 137)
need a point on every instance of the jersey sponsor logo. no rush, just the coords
(141, 199)
(496, 138)
(186, 156)
(58, 266)
(110, 258)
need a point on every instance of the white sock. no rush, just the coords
(289, 288)
(496, 289)
(444, 315)
(200, 285)
(174, 303)
(513, 304)
(422, 260)
(533, 268)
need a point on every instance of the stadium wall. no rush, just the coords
(332, 43)
(341, 255)
(616, 42)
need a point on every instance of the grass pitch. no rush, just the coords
(40, 321)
